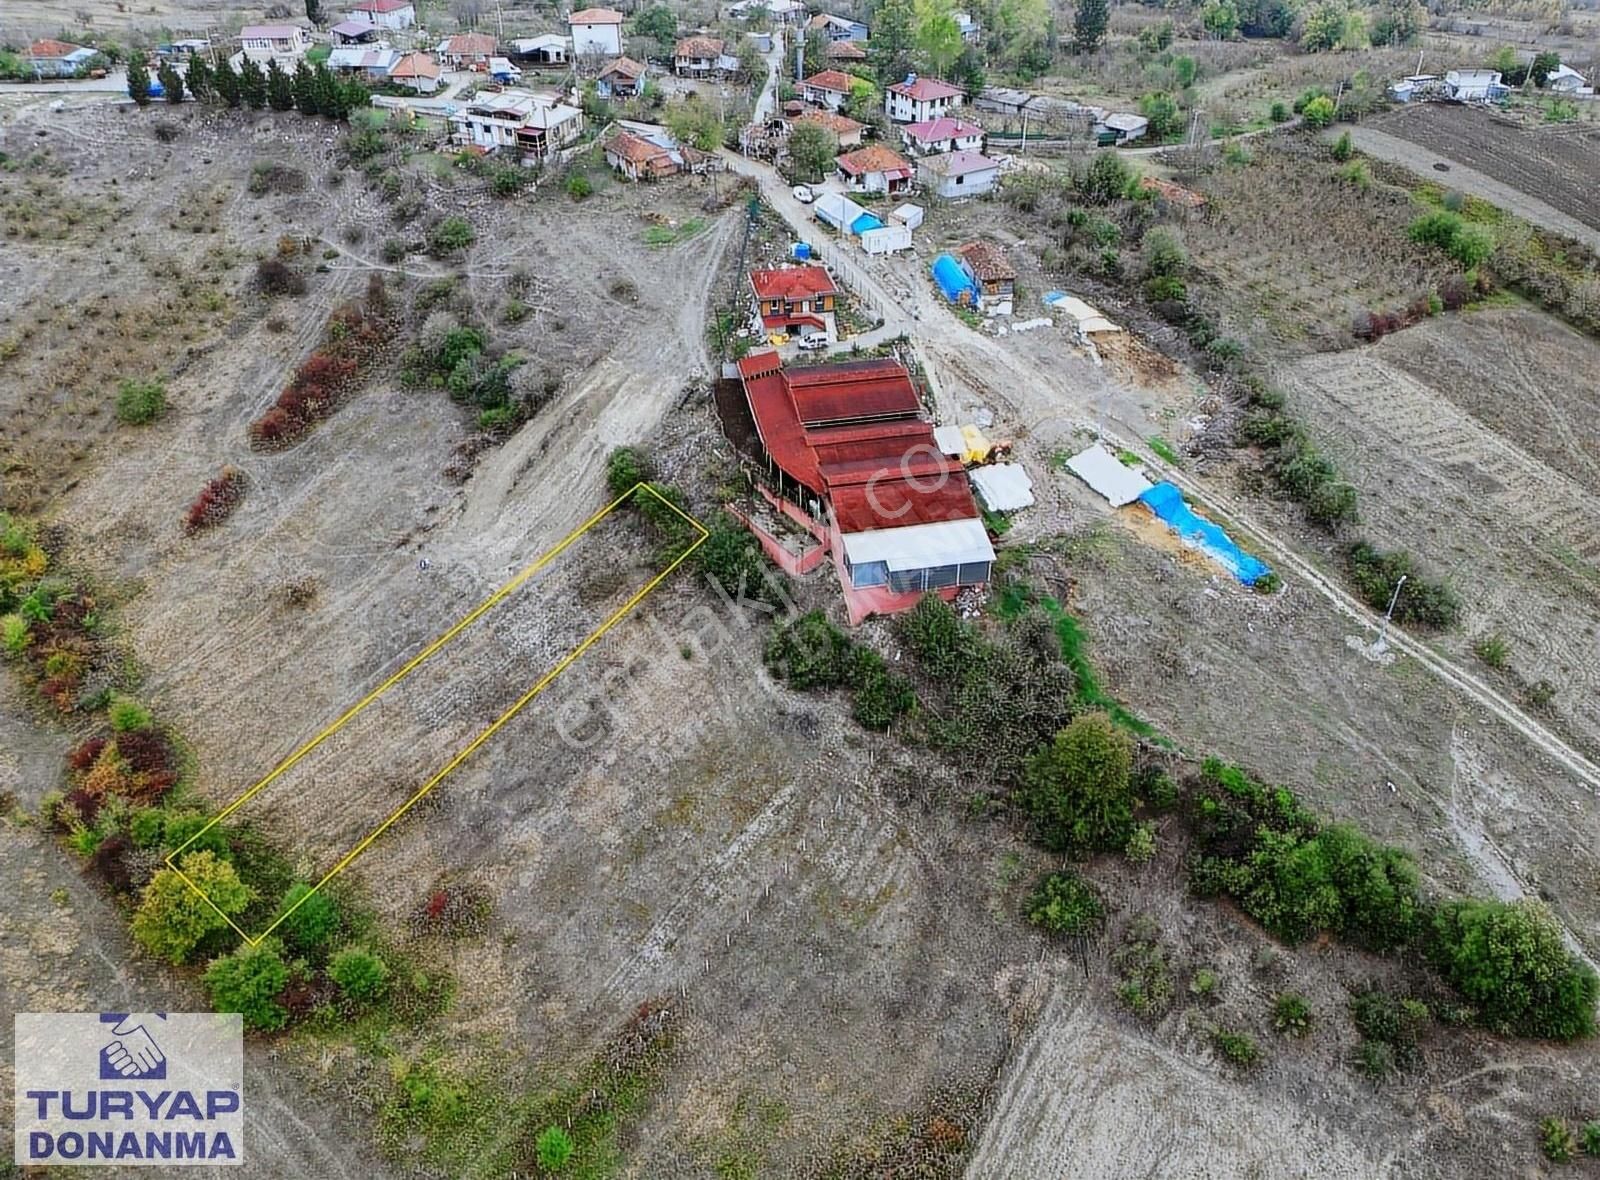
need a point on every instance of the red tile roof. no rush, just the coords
(875, 158)
(792, 282)
(415, 65)
(51, 48)
(840, 125)
(845, 51)
(851, 433)
(834, 80)
(942, 128)
(988, 262)
(469, 44)
(925, 89)
(624, 66)
(595, 16)
(639, 151)
(699, 47)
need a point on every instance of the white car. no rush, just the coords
(812, 341)
(803, 194)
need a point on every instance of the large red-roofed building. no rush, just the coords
(854, 461)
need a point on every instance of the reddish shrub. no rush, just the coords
(110, 863)
(82, 757)
(145, 751)
(216, 501)
(271, 428)
(86, 806)
(1455, 292)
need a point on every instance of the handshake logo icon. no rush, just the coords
(133, 1054)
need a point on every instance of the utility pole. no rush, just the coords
(1383, 632)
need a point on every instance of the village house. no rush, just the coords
(781, 12)
(990, 269)
(843, 451)
(419, 71)
(284, 44)
(1119, 128)
(551, 49)
(385, 14)
(920, 100)
(57, 59)
(466, 50)
(837, 28)
(596, 32)
(532, 127)
(875, 169)
(953, 175)
(844, 51)
(843, 128)
(365, 61)
(945, 134)
(795, 300)
(829, 89)
(1475, 85)
(697, 57)
(637, 158)
(622, 78)
(356, 32)
(1566, 81)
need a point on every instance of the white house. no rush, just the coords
(942, 135)
(284, 44)
(829, 89)
(698, 57)
(875, 169)
(953, 175)
(1122, 127)
(1474, 85)
(465, 50)
(551, 49)
(1567, 81)
(519, 122)
(386, 14)
(418, 71)
(596, 31)
(371, 62)
(920, 100)
(837, 28)
(971, 30)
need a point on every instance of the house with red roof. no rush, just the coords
(795, 300)
(698, 57)
(875, 169)
(827, 88)
(953, 175)
(596, 32)
(385, 14)
(620, 78)
(465, 50)
(919, 100)
(846, 454)
(944, 134)
(56, 59)
(845, 129)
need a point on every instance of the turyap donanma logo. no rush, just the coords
(163, 1088)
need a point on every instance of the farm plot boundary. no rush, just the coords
(466, 752)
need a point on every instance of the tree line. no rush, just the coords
(311, 90)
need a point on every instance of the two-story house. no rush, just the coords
(284, 44)
(920, 100)
(795, 300)
(519, 122)
(828, 88)
(385, 14)
(596, 32)
(697, 57)
(837, 28)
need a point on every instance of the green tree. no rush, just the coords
(314, 11)
(1399, 22)
(1544, 64)
(814, 58)
(171, 82)
(626, 469)
(1166, 120)
(893, 40)
(173, 918)
(1220, 19)
(304, 88)
(1184, 69)
(695, 122)
(280, 88)
(450, 235)
(309, 919)
(553, 1148)
(1323, 26)
(1018, 30)
(1089, 25)
(1318, 112)
(1077, 788)
(968, 73)
(139, 78)
(225, 81)
(1063, 903)
(360, 974)
(1105, 179)
(812, 149)
(252, 85)
(198, 78)
(656, 22)
(1509, 960)
(249, 982)
(938, 36)
(330, 95)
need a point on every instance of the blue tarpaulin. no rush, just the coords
(865, 222)
(1167, 502)
(954, 281)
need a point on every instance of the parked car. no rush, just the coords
(803, 194)
(812, 341)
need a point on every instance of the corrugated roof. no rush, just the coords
(954, 542)
(792, 282)
(1100, 469)
(625, 66)
(942, 128)
(1003, 487)
(852, 391)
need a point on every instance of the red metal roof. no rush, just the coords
(792, 282)
(850, 432)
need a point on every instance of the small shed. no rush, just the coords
(958, 286)
(909, 215)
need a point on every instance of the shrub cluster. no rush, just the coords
(1422, 600)
(357, 335)
(1389, 1028)
(140, 402)
(49, 626)
(216, 501)
(1470, 245)
(1078, 789)
(811, 652)
(1064, 903)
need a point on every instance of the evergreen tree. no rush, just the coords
(355, 96)
(225, 81)
(252, 85)
(280, 90)
(199, 80)
(171, 82)
(139, 78)
(305, 89)
(1089, 25)
(313, 14)
(889, 50)
(330, 101)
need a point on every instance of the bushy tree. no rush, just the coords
(657, 22)
(553, 1148)
(1318, 112)
(280, 88)
(199, 79)
(626, 468)
(1089, 25)
(310, 919)
(938, 36)
(173, 919)
(893, 41)
(1064, 903)
(171, 82)
(1323, 26)
(1166, 120)
(360, 974)
(303, 87)
(812, 149)
(249, 982)
(1019, 33)
(1077, 788)
(1544, 64)
(1509, 960)
(1103, 180)
(1220, 19)
(252, 85)
(139, 78)
(451, 235)
(696, 123)
(225, 81)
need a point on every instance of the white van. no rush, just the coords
(812, 341)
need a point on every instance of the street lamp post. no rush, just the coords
(1383, 631)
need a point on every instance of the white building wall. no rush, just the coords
(601, 39)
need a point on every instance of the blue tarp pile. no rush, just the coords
(954, 281)
(865, 222)
(1167, 503)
